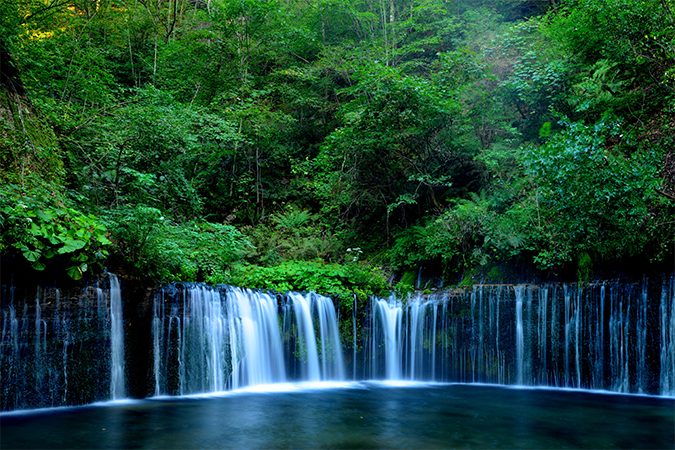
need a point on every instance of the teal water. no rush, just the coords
(357, 415)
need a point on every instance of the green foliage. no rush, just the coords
(413, 132)
(28, 147)
(43, 227)
(194, 251)
(328, 279)
(623, 53)
(403, 290)
(593, 196)
(596, 90)
(388, 152)
(535, 76)
(294, 234)
(584, 267)
(471, 233)
(155, 152)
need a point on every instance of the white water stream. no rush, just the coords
(116, 340)
(614, 336)
(569, 336)
(232, 339)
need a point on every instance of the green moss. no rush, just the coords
(496, 274)
(584, 267)
(469, 277)
(28, 148)
(408, 277)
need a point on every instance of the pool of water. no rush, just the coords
(356, 415)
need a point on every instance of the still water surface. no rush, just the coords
(357, 415)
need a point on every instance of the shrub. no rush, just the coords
(42, 225)
(193, 251)
(328, 279)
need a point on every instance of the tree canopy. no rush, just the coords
(220, 140)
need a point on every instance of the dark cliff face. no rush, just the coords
(137, 296)
(55, 346)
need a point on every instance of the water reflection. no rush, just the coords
(368, 415)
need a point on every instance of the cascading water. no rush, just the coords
(354, 344)
(116, 340)
(591, 337)
(210, 340)
(389, 312)
(667, 341)
(611, 336)
(332, 364)
(306, 336)
(57, 349)
(255, 339)
(520, 340)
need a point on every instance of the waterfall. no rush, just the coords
(116, 340)
(354, 316)
(195, 347)
(433, 343)
(642, 327)
(157, 337)
(667, 335)
(57, 348)
(256, 348)
(306, 336)
(332, 364)
(614, 336)
(210, 340)
(568, 325)
(416, 329)
(520, 341)
(610, 336)
(390, 314)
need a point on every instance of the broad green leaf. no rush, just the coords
(31, 255)
(35, 230)
(45, 216)
(74, 272)
(71, 246)
(81, 257)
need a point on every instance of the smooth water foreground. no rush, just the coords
(356, 415)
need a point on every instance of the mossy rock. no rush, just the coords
(409, 277)
(470, 277)
(28, 147)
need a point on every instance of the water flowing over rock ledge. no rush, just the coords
(71, 347)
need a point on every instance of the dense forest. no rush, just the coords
(338, 145)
